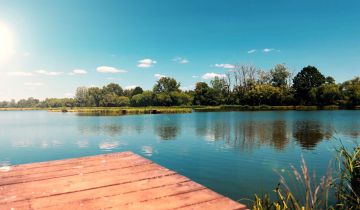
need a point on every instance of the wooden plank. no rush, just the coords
(26, 169)
(112, 181)
(82, 169)
(221, 203)
(91, 194)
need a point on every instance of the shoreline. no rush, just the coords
(169, 110)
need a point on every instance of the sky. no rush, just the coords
(49, 48)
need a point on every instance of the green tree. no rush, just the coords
(220, 90)
(204, 95)
(137, 90)
(81, 96)
(123, 101)
(309, 77)
(325, 94)
(351, 91)
(95, 95)
(113, 88)
(166, 85)
(163, 99)
(263, 94)
(279, 75)
(144, 99)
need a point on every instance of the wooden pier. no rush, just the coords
(112, 181)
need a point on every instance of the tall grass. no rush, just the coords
(348, 186)
(300, 191)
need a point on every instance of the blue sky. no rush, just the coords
(133, 42)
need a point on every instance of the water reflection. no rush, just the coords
(250, 134)
(309, 133)
(167, 127)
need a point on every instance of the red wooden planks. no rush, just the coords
(111, 181)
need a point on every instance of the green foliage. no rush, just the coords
(279, 75)
(325, 94)
(144, 99)
(305, 194)
(263, 94)
(113, 88)
(348, 187)
(245, 85)
(308, 78)
(204, 95)
(351, 91)
(166, 85)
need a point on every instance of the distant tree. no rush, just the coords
(81, 96)
(144, 99)
(163, 99)
(279, 75)
(351, 91)
(309, 77)
(325, 94)
(137, 90)
(204, 95)
(113, 88)
(180, 98)
(330, 80)
(166, 85)
(263, 94)
(220, 89)
(123, 101)
(110, 100)
(95, 95)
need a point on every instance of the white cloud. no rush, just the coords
(213, 75)
(109, 69)
(251, 51)
(129, 87)
(78, 72)
(159, 76)
(49, 73)
(194, 76)
(20, 74)
(266, 50)
(146, 63)
(26, 54)
(180, 60)
(69, 95)
(34, 84)
(225, 66)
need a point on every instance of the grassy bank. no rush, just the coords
(124, 110)
(225, 108)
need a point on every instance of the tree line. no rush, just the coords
(243, 85)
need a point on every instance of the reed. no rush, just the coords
(348, 186)
(305, 193)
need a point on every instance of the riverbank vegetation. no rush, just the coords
(124, 110)
(339, 189)
(245, 87)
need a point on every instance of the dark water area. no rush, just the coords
(233, 153)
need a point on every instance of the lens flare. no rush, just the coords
(7, 45)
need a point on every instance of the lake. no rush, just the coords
(234, 153)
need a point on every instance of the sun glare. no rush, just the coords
(7, 48)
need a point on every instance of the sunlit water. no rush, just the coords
(233, 153)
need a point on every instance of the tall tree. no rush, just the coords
(166, 85)
(309, 77)
(279, 75)
(113, 88)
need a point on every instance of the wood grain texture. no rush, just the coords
(112, 181)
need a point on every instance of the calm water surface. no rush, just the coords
(233, 153)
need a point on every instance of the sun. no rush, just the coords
(7, 45)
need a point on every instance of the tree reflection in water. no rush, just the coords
(249, 135)
(167, 127)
